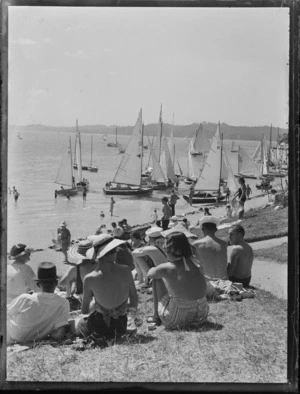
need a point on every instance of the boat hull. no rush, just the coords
(130, 191)
(203, 198)
(84, 168)
(112, 145)
(71, 191)
(93, 169)
(245, 176)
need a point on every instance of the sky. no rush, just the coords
(100, 65)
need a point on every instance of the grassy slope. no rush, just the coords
(276, 253)
(262, 224)
(243, 342)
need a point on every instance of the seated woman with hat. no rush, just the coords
(180, 285)
(19, 275)
(38, 315)
(75, 275)
(113, 289)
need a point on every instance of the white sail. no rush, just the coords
(257, 154)
(246, 166)
(166, 161)
(130, 168)
(231, 180)
(210, 176)
(157, 147)
(157, 172)
(200, 143)
(224, 172)
(65, 171)
(171, 144)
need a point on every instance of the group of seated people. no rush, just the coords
(120, 230)
(175, 264)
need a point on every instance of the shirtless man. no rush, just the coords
(211, 251)
(112, 286)
(167, 213)
(180, 285)
(149, 256)
(240, 257)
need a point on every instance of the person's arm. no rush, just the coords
(133, 298)
(233, 260)
(157, 272)
(87, 295)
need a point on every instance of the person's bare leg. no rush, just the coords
(158, 292)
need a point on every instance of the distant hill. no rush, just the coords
(229, 132)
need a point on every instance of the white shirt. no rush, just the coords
(19, 280)
(34, 316)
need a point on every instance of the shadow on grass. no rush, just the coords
(206, 326)
(127, 339)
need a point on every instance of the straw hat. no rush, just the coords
(18, 250)
(46, 272)
(103, 244)
(153, 232)
(78, 252)
(209, 219)
(180, 229)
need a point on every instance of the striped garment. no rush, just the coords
(176, 312)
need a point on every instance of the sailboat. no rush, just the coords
(200, 143)
(114, 144)
(246, 167)
(82, 184)
(91, 167)
(75, 165)
(234, 148)
(128, 177)
(207, 187)
(65, 176)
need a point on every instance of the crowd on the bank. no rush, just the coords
(109, 267)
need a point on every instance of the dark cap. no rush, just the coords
(46, 272)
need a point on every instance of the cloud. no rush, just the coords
(79, 54)
(76, 28)
(47, 40)
(24, 41)
(38, 93)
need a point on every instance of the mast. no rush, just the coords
(70, 147)
(239, 155)
(116, 135)
(160, 133)
(270, 144)
(91, 151)
(75, 144)
(80, 158)
(142, 142)
(221, 147)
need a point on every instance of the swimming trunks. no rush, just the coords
(176, 312)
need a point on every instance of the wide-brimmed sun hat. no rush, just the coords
(78, 252)
(180, 229)
(63, 224)
(209, 219)
(153, 232)
(18, 250)
(46, 272)
(102, 244)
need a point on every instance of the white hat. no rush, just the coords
(209, 219)
(78, 252)
(153, 232)
(63, 224)
(102, 244)
(180, 229)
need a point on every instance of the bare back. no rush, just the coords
(212, 255)
(240, 260)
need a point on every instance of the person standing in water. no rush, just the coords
(64, 238)
(111, 208)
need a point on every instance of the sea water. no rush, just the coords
(33, 163)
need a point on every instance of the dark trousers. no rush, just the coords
(165, 224)
(172, 206)
(95, 324)
(245, 282)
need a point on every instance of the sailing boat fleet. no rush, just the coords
(208, 165)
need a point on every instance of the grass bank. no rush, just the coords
(241, 342)
(262, 224)
(277, 253)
